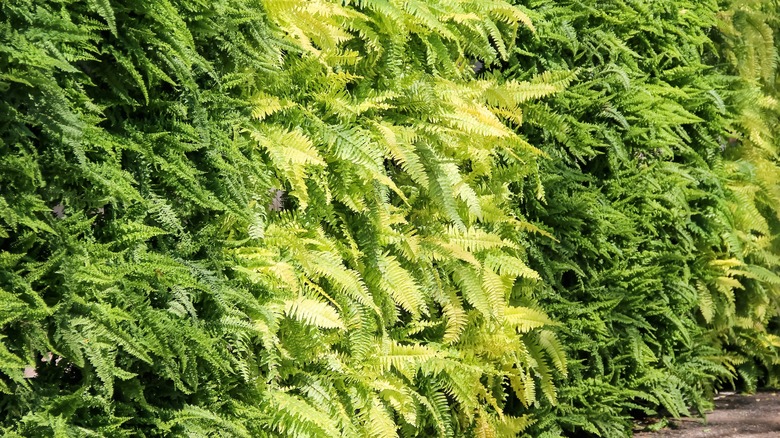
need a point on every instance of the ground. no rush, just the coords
(735, 416)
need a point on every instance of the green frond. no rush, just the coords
(196, 421)
(313, 312)
(292, 416)
(510, 266)
(470, 284)
(525, 319)
(401, 286)
(344, 280)
(404, 358)
(380, 422)
(552, 346)
(474, 240)
(455, 317)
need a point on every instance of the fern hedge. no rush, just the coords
(384, 218)
(662, 200)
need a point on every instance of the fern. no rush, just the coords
(364, 218)
(637, 183)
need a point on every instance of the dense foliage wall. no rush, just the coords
(262, 219)
(662, 196)
(383, 218)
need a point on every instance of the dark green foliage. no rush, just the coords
(120, 167)
(649, 271)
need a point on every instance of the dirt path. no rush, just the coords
(735, 416)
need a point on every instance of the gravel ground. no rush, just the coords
(735, 416)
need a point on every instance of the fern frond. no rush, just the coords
(313, 312)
